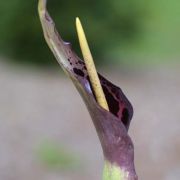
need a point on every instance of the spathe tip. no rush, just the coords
(42, 5)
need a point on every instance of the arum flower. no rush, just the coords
(111, 118)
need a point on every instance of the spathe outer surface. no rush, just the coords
(112, 127)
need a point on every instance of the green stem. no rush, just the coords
(113, 172)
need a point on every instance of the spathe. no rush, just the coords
(112, 127)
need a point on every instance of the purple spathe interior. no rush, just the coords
(117, 101)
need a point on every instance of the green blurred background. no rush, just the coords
(123, 32)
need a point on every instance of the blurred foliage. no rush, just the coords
(115, 29)
(106, 23)
(159, 42)
(54, 156)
